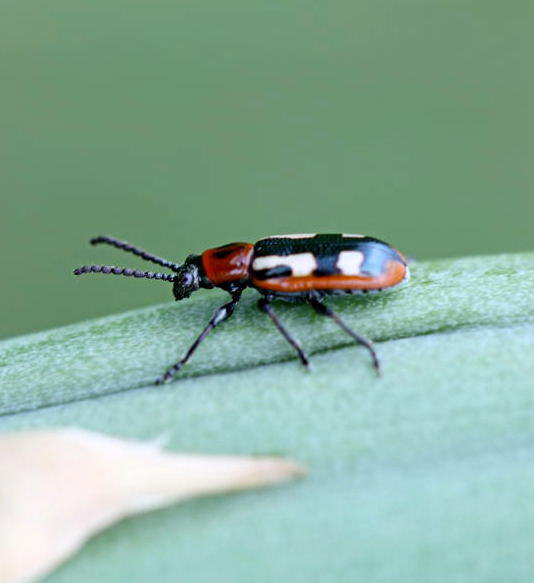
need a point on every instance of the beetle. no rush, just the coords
(296, 268)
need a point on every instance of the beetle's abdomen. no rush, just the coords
(299, 263)
(227, 264)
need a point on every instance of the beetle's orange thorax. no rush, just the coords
(227, 264)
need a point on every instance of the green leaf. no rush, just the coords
(424, 474)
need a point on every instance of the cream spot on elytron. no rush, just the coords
(301, 264)
(350, 262)
(293, 236)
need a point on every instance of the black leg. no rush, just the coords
(321, 308)
(220, 315)
(265, 306)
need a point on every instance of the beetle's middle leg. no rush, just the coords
(265, 305)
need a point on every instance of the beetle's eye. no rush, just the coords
(187, 279)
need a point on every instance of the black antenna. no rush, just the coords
(135, 250)
(111, 269)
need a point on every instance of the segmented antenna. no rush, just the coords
(135, 250)
(111, 269)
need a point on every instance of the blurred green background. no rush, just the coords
(180, 125)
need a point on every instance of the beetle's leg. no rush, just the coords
(323, 309)
(221, 314)
(265, 305)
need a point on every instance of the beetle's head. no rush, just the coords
(186, 278)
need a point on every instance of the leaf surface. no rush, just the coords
(423, 474)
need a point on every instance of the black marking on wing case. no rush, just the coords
(326, 265)
(278, 271)
(319, 245)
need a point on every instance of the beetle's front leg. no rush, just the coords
(220, 315)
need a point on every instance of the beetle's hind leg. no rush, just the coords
(324, 310)
(265, 305)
